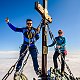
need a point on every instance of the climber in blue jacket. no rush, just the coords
(30, 35)
(60, 42)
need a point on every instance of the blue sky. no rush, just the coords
(65, 15)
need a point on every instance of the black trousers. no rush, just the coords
(55, 56)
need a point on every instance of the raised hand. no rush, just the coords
(7, 20)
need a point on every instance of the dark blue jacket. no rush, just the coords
(26, 31)
(59, 41)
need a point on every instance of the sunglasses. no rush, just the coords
(29, 23)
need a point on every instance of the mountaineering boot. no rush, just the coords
(19, 76)
(16, 76)
(38, 72)
(56, 71)
(51, 74)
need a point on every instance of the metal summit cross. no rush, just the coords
(46, 18)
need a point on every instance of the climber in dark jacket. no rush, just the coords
(30, 35)
(60, 48)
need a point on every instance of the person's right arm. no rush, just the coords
(13, 27)
(53, 43)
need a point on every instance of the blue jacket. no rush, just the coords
(59, 41)
(26, 31)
